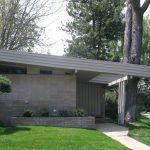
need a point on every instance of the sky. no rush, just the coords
(53, 35)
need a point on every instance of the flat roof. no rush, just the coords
(103, 71)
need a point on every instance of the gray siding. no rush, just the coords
(38, 91)
(90, 97)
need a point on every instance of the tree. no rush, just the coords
(5, 85)
(145, 59)
(132, 50)
(93, 28)
(19, 29)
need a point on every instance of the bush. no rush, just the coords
(143, 102)
(80, 113)
(2, 124)
(76, 113)
(65, 113)
(5, 85)
(146, 99)
(111, 104)
(43, 112)
(28, 113)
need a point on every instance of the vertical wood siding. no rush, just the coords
(91, 98)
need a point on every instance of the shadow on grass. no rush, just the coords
(11, 130)
(142, 126)
(145, 121)
(142, 123)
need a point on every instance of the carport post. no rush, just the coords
(121, 102)
(121, 98)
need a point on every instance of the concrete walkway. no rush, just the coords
(119, 133)
(146, 116)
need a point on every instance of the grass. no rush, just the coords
(140, 130)
(55, 138)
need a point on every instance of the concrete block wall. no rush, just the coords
(38, 91)
(76, 122)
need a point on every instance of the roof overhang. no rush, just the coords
(95, 71)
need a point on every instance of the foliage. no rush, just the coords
(65, 113)
(140, 130)
(5, 84)
(80, 113)
(2, 124)
(76, 113)
(61, 113)
(52, 138)
(44, 112)
(145, 58)
(145, 99)
(28, 113)
(111, 104)
(93, 28)
(19, 29)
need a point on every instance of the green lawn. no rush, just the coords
(140, 130)
(55, 138)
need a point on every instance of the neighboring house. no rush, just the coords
(45, 81)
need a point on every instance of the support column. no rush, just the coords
(121, 102)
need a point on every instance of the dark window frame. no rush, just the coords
(46, 72)
(12, 70)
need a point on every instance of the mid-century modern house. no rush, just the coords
(40, 80)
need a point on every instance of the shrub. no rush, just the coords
(2, 124)
(146, 99)
(43, 112)
(80, 113)
(65, 113)
(5, 85)
(111, 104)
(143, 103)
(28, 113)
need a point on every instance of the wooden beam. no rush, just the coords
(118, 81)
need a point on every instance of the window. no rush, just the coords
(12, 70)
(45, 72)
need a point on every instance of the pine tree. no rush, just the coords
(95, 25)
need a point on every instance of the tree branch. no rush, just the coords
(145, 6)
(136, 5)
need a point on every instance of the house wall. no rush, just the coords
(33, 70)
(91, 97)
(38, 91)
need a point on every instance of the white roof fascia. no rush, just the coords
(118, 81)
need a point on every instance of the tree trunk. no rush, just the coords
(128, 34)
(132, 51)
(131, 100)
(137, 27)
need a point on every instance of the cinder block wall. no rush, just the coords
(38, 91)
